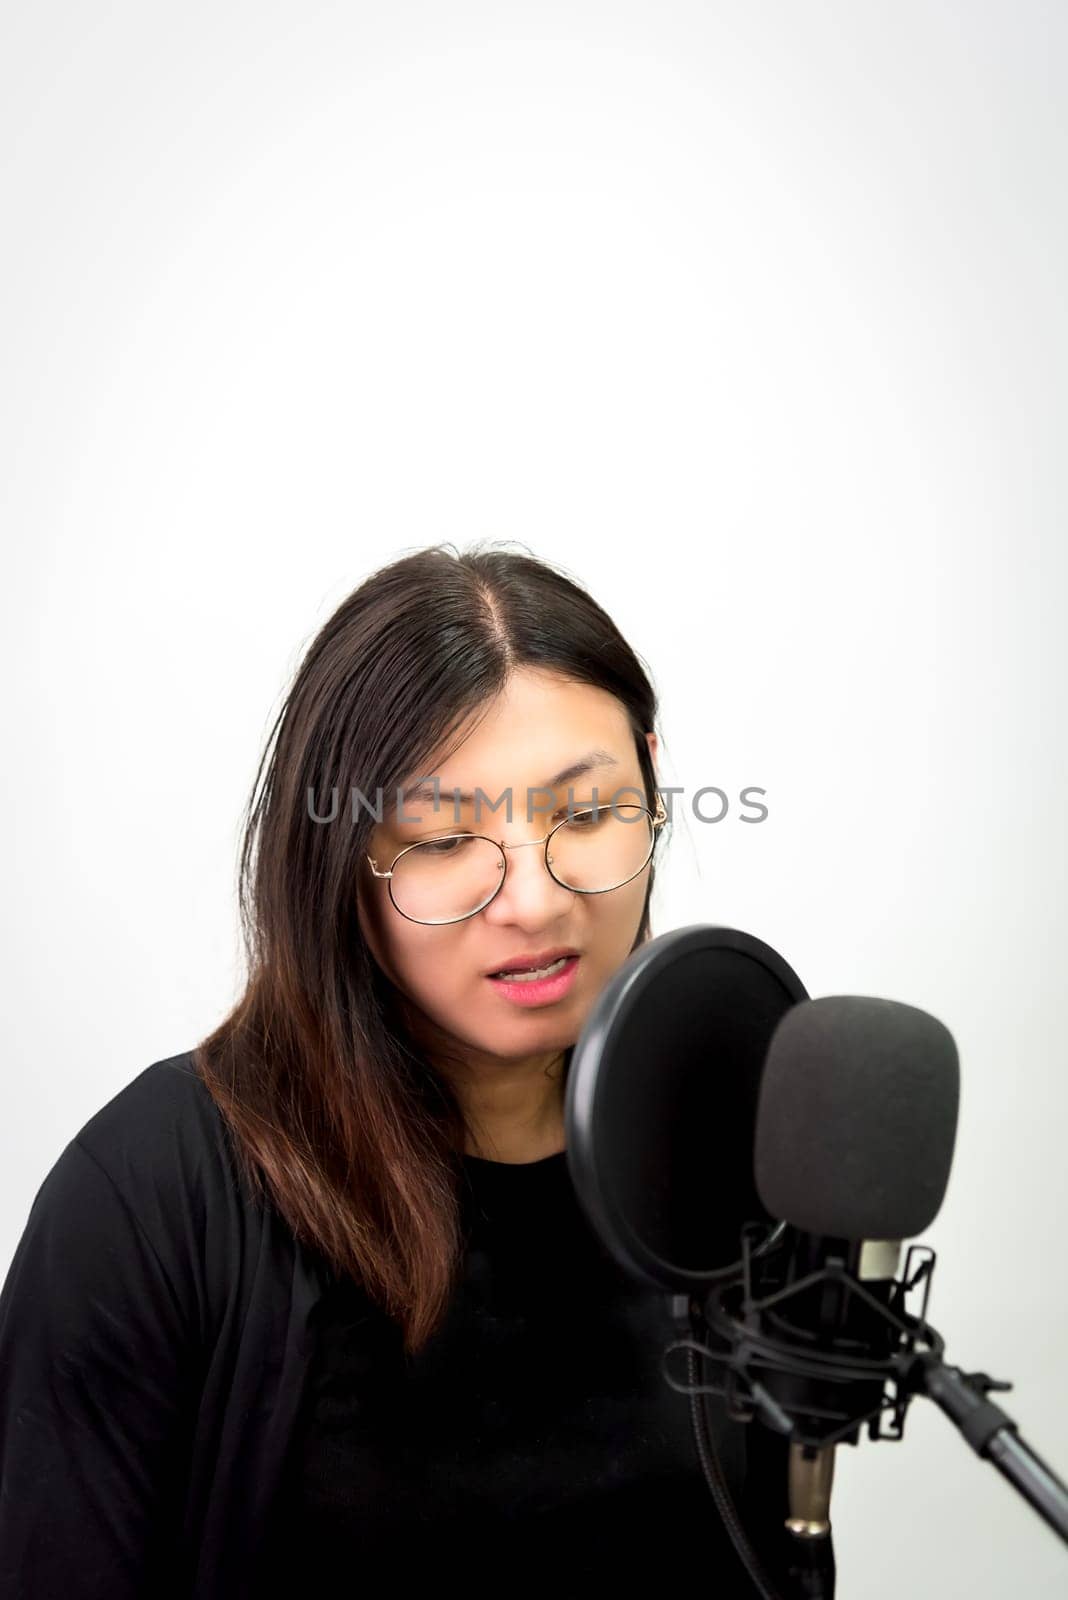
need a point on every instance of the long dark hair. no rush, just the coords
(331, 1109)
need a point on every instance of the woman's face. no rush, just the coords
(539, 726)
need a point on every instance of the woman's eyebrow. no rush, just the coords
(592, 760)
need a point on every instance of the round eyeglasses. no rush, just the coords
(451, 878)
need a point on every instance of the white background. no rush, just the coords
(753, 316)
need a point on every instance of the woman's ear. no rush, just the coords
(654, 747)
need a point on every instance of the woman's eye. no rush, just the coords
(581, 819)
(445, 847)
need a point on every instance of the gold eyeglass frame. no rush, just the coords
(658, 821)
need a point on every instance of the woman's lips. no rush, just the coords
(531, 959)
(538, 991)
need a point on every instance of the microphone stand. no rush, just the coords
(991, 1433)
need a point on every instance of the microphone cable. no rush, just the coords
(717, 1483)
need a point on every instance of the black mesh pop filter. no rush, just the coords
(661, 1098)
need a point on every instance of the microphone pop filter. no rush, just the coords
(661, 1097)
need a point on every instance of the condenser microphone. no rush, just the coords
(759, 1156)
(855, 1130)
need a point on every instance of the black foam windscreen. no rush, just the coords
(857, 1117)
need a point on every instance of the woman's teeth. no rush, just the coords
(539, 972)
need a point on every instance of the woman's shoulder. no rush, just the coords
(168, 1095)
(148, 1189)
(158, 1152)
(162, 1122)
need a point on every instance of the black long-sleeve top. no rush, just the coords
(193, 1406)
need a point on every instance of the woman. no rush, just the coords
(322, 1282)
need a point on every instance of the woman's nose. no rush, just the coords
(529, 890)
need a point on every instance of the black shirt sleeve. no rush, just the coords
(98, 1376)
